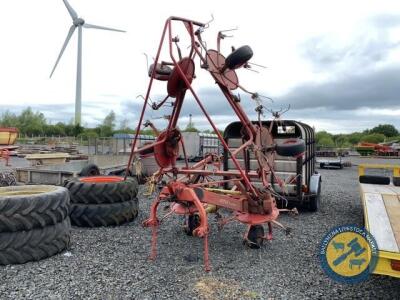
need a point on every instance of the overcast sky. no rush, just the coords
(337, 63)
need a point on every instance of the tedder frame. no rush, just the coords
(198, 189)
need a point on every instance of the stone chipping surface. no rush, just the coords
(111, 263)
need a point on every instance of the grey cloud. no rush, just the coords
(369, 47)
(379, 89)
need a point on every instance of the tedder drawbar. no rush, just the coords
(196, 190)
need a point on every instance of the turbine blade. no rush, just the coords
(86, 25)
(70, 33)
(71, 11)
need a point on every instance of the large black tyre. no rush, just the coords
(396, 181)
(160, 70)
(33, 245)
(92, 190)
(374, 179)
(90, 170)
(238, 57)
(32, 206)
(293, 147)
(96, 215)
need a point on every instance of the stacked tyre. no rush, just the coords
(34, 223)
(102, 200)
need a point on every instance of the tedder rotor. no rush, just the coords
(204, 187)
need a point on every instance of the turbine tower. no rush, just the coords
(77, 23)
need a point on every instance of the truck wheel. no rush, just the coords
(32, 206)
(374, 179)
(96, 215)
(255, 238)
(102, 189)
(315, 201)
(292, 147)
(90, 170)
(238, 57)
(396, 181)
(32, 245)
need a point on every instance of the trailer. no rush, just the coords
(122, 141)
(380, 197)
(294, 178)
(199, 144)
(56, 174)
(336, 163)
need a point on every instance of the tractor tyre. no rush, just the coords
(32, 206)
(374, 179)
(102, 189)
(238, 57)
(33, 245)
(96, 215)
(90, 170)
(255, 238)
(293, 147)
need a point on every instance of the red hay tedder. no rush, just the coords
(196, 190)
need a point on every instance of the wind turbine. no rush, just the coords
(77, 23)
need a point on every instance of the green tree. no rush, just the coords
(355, 137)
(341, 140)
(191, 129)
(385, 129)
(107, 127)
(89, 133)
(109, 120)
(77, 130)
(324, 139)
(9, 119)
(31, 123)
(373, 138)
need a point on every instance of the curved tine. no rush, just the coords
(70, 33)
(86, 25)
(71, 11)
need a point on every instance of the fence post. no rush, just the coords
(95, 145)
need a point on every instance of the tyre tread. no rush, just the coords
(33, 245)
(36, 211)
(95, 215)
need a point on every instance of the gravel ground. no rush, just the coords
(111, 263)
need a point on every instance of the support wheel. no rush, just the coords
(239, 57)
(315, 201)
(255, 237)
(193, 221)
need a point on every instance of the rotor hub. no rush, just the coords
(79, 22)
